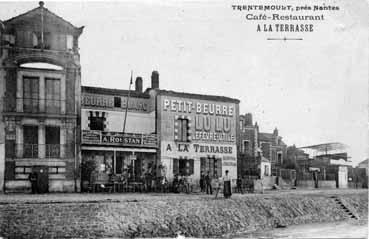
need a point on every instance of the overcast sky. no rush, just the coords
(314, 90)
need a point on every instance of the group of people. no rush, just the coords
(207, 182)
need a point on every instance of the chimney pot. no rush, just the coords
(138, 84)
(155, 80)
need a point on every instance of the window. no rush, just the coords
(52, 140)
(117, 102)
(30, 141)
(182, 127)
(52, 95)
(266, 170)
(279, 158)
(211, 165)
(265, 148)
(246, 146)
(97, 121)
(183, 167)
(69, 42)
(30, 94)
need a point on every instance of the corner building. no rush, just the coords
(40, 90)
(197, 133)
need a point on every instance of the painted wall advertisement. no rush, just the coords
(211, 130)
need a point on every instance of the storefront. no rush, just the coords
(197, 134)
(108, 153)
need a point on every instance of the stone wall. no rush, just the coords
(165, 216)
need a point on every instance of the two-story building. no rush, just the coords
(198, 134)
(40, 80)
(118, 132)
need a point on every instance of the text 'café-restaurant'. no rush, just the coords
(185, 134)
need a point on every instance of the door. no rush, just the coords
(42, 178)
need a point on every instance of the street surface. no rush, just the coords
(346, 229)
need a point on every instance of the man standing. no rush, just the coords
(33, 179)
(202, 182)
(227, 189)
(239, 185)
(209, 189)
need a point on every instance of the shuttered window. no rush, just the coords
(30, 94)
(183, 167)
(52, 95)
(211, 165)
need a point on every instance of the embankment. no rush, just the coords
(164, 216)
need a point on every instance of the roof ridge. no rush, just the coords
(47, 11)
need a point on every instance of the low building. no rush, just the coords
(118, 132)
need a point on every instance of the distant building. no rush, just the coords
(40, 79)
(256, 148)
(330, 160)
(364, 164)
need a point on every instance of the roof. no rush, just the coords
(326, 147)
(264, 160)
(117, 92)
(197, 96)
(24, 19)
(366, 161)
(265, 136)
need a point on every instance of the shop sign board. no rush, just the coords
(107, 101)
(118, 139)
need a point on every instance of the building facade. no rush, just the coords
(198, 134)
(40, 90)
(259, 154)
(113, 141)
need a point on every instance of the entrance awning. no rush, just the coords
(99, 148)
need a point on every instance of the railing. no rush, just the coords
(52, 106)
(52, 150)
(31, 105)
(118, 138)
(30, 150)
(44, 150)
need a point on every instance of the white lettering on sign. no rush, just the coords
(106, 101)
(199, 108)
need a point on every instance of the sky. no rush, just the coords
(313, 90)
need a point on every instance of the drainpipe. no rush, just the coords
(2, 30)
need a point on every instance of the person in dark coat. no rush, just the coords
(175, 184)
(33, 179)
(227, 189)
(209, 189)
(202, 182)
(239, 185)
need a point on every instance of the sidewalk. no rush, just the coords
(121, 197)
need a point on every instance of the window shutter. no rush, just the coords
(191, 166)
(175, 166)
(219, 167)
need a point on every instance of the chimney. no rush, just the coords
(155, 80)
(275, 132)
(138, 84)
(248, 119)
